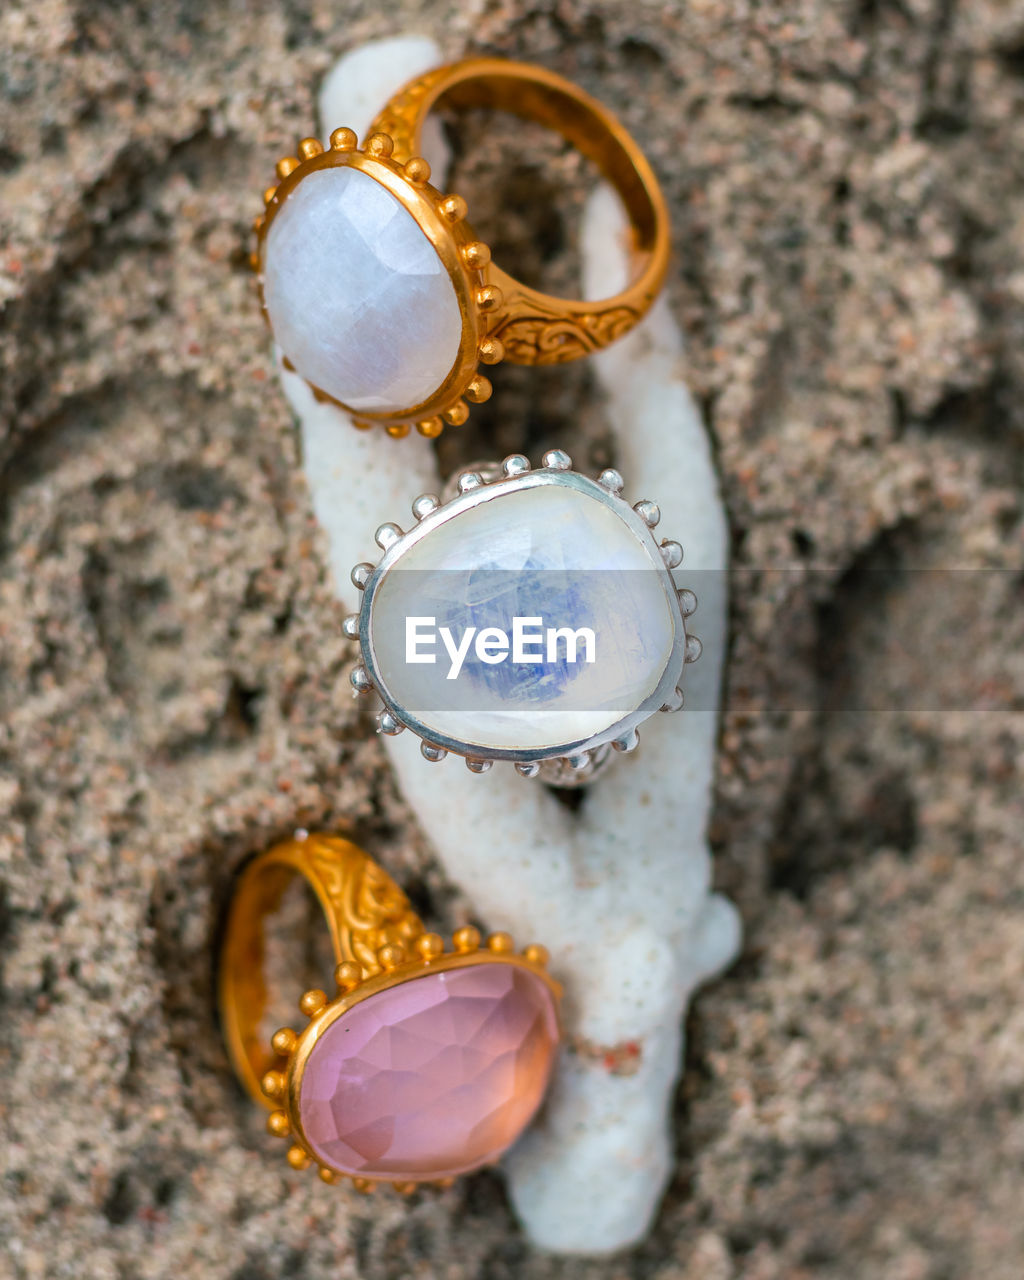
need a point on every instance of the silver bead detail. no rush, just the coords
(674, 702)
(687, 601)
(528, 769)
(350, 627)
(478, 766)
(672, 554)
(387, 535)
(557, 460)
(359, 679)
(432, 753)
(649, 512)
(470, 480)
(694, 648)
(387, 723)
(424, 505)
(628, 742)
(611, 480)
(361, 574)
(515, 465)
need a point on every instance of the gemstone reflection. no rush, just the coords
(433, 1077)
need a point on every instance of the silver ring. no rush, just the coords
(528, 616)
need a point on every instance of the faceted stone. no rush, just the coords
(357, 296)
(557, 552)
(434, 1077)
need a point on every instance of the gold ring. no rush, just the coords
(376, 288)
(424, 1065)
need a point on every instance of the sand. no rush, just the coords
(847, 185)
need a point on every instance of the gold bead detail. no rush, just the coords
(491, 350)
(536, 954)
(286, 166)
(466, 940)
(500, 943)
(404, 1188)
(297, 1158)
(379, 145)
(476, 255)
(310, 147)
(272, 1084)
(489, 298)
(363, 1184)
(284, 1041)
(417, 170)
(269, 194)
(312, 1002)
(479, 389)
(328, 1175)
(277, 1124)
(453, 208)
(343, 140)
(431, 428)
(457, 414)
(257, 223)
(430, 946)
(348, 975)
(391, 956)
(398, 430)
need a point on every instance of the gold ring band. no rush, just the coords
(534, 327)
(363, 907)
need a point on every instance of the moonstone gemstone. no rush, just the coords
(357, 296)
(555, 552)
(434, 1077)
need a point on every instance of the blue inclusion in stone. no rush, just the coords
(495, 597)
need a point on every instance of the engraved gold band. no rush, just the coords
(534, 327)
(365, 911)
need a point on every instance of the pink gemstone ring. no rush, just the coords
(425, 1065)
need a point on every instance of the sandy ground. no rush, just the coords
(847, 183)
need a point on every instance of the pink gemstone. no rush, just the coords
(433, 1077)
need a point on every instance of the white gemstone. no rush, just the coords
(357, 296)
(550, 551)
